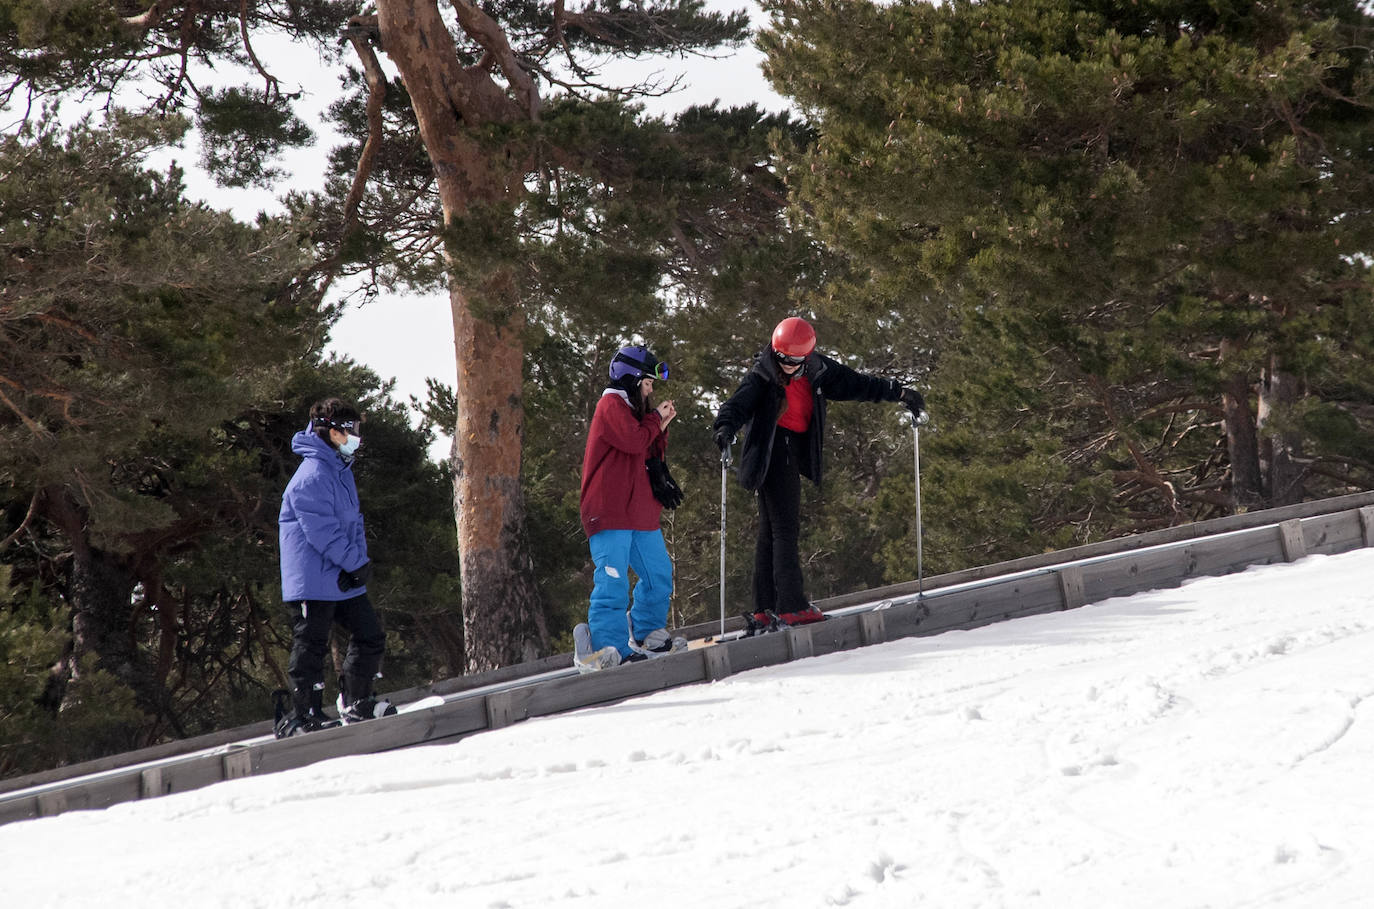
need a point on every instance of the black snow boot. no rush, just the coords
(356, 701)
(306, 713)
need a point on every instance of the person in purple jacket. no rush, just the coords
(324, 572)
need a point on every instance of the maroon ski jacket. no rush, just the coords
(615, 485)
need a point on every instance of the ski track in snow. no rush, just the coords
(1206, 746)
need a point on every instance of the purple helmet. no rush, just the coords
(638, 363)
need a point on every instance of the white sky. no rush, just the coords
(1207, 746)
(410, 337)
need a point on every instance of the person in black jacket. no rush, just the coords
(781, 407)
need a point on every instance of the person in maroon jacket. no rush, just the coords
(623, 482)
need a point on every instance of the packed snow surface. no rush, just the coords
(1210, 745)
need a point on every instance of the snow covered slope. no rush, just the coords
(1210, 745)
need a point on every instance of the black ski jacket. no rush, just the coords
(757, 403)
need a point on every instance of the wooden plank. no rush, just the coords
(1071, 586)
(446, 722)
(984, 605)
(237, 764)
(799, 645)
(111, 789)
(872, 628)
(906, 619)
(150, 783)
(51, 804)
(667, 672)
(610, 686)
(1331, 534)
(1155, 569)
(1293, 541)
(756, 652)
(1121, 545)
(19, 809)
(599, 688)
(1367, 524)
(837, 634)
(141, 756)
(500, 709)
(717, 662)
(1236, 552)
(607, 686)
(455, 719)
(1014, 596)
(195, 772)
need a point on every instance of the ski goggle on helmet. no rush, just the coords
(639, 363)
(793, 339)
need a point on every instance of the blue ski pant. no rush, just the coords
(614, 552)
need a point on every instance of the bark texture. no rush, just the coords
(503, 619)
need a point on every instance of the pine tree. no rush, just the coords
(155, 359)
(679, 241)
(480, 96)
(480, 88)
(134, 323)
(1132, 231)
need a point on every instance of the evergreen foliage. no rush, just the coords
(156, 359)
(1131, 235)
(240, 133)
(678, 241)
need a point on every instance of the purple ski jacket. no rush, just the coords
(320, 527)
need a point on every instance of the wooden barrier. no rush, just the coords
(961, 600)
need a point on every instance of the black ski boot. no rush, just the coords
(306, 713)
(356, 701)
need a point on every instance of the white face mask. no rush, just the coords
(350, 445)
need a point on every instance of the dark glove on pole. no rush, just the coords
(724, 439)
(916, 404)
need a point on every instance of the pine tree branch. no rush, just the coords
(24, 418)
(28, 519)
(363, 33)
(273, 89)
(487, 32)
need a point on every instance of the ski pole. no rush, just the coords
(916, 420)
(724, 472)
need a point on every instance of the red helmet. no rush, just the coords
(794, 337)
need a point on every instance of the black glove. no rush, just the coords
(914, 402)
(665, 489)
(724, 439)
(355, 578)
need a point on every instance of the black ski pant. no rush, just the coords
(777, 558)
(312, 621)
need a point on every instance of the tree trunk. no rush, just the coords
(1279, 450)
(502, 617)
(100, 593)
(503, 621)
(1242, 440)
